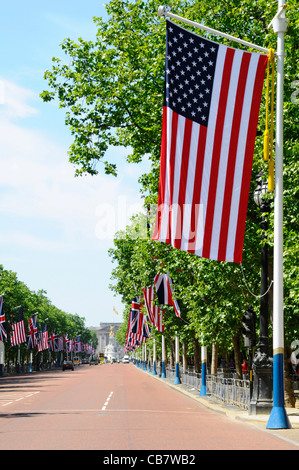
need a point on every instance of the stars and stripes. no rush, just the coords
(210, 114)
(43, 339)
(18, 333)
(3, 332)
(155, 313)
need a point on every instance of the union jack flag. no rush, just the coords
(163, 286)
(32, 327)
(52, 341)
(3, 333)
(138, 330)
(77, 344)
(18, 333)
(66, 340)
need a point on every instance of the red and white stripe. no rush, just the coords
(205, 171)
(18, 334)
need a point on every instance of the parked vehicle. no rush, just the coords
(93, 360)
(67, 365)
(126, 360)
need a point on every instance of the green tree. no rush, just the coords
(112, 91)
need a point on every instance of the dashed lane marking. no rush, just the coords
(107, 401)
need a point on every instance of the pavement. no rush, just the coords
(240, 414)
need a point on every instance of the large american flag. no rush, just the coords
(210, 114)
(18, 333)
(3, 333)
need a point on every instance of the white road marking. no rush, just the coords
(21, 398)
(107, 401)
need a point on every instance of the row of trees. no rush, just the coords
(16, 293)
(112, 90)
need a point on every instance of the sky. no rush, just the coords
(56, 228)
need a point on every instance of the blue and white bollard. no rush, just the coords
(203, 388)
(163, 375)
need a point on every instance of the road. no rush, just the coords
(115, 407)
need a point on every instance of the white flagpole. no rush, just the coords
(278, 418)
(162, 11)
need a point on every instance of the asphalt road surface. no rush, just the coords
(115, 407)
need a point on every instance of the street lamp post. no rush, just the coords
(261, 400)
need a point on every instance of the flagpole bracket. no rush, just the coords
(280, 22)
(161, 10)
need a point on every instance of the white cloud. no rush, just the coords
(38, 184)
(13, 100)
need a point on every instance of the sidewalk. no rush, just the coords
(234, 412)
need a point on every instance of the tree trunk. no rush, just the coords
(197, 364)
(290, 400)
(237, 353)
(172, 353)
(185, 360)
(214, 361)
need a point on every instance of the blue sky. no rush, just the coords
(52, 232)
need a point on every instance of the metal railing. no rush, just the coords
(229, 390)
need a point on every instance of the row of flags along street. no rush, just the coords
(35, 337)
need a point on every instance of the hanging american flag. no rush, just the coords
(43, 342)
(3, 333)
(163, 285)
(210, 114)
(32, 328)
(18, 333)
(155, 314)
(60, 343)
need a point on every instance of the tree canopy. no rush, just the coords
(112, 91)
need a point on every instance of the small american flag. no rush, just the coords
(211, 106)
(43, 342)
(155, 313)
(3, 333)
(18, 333)
(60, 343)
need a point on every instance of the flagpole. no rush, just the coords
(162, 11)
(278, 418)
(154, 358)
